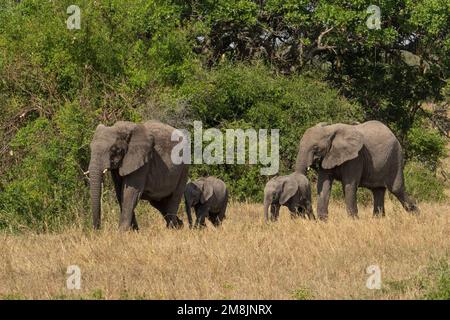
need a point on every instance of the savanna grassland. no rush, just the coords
(244, 259)
(231, 64)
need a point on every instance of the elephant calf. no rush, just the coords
(209, 197)
(292, 191)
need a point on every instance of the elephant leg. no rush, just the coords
(294, 214)
(172, 221)
(131, 196)
(161, 206)
(310, 211)
(351, 172)
(133, 187)
(300, 212)
(221, 215)
(118, 187)
(378, 201)
(214, 219)
(350, 190)
(169, 205)
(324, 184)
(294, 211)
(277, 211)
(134, 223)
(201, 213)
(274, 211)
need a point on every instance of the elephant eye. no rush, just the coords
(115, 151)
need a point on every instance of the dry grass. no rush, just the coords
(244, 259)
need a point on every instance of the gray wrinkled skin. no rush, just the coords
(209, 197)
(363, 155)
(138, 157)
(292, 191)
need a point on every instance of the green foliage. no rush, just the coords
(172, 58)
(13, 296)
(440, 288)
(422, 183)
(426, 145)
(97, 294)
(303, 294)
(251, 96)
(47, 180)
(433, 283)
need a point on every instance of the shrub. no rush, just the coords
(422, 183)
(47, 181)
(426, 145)
(251, 96)
(439, 289)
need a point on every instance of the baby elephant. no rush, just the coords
(292, 191)
(209, 197)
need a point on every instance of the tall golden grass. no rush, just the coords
(244, 259)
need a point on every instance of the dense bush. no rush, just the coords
(44, 187)
(251, 96)
(426, 145)
(422, 182)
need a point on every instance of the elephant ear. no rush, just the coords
(345, 145)
(289, 189)
(140, 144)
(207, 192)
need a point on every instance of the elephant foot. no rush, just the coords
(135, 227)
(352, 213)
(173, 222)
(200, 226)
(412, 208)
(379, 214)
(124, 228)
(217, 223)
(311, 216)
(215, 220)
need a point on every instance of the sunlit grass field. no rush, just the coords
(244, 259)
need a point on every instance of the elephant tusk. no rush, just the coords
(86, 173)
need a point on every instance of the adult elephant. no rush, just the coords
(139, 159)
(367, 155)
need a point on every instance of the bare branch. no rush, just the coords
(320, 46)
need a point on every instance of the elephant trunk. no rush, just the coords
(304, 160)
(96, 177)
